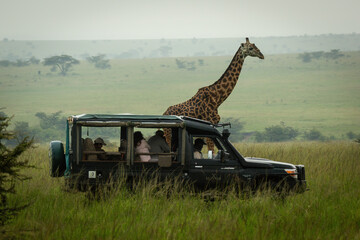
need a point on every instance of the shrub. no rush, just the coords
(314, 135)
(351, 135)
(277, 133)
(99, 61)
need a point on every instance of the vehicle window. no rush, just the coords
(150, 144)
(109, 135)
(205, 147)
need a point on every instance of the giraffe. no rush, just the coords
(205, 103)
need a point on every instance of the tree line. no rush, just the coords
(279, 133)
(309, 56)
(61, 63)
(52, 126)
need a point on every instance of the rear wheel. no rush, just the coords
(57, 159)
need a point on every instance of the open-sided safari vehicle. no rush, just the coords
(85, 167)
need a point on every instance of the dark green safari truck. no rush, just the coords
(85, 167)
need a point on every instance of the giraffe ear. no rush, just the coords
(247, 40)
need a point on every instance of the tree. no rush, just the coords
(305, 57)
(10, 167)
(34, 60)
(99, 61)
(277, 133)
(180, 63)
(314, 135)
(52, 121)
(165, 51)
(334, 54)
(63, 63)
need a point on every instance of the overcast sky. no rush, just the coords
(156, 19)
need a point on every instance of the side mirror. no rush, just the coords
(226, 133)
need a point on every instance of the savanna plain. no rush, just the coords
(321, 94)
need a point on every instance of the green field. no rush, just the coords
(322, 94)
(329, 210)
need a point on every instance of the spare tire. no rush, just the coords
(57, 159)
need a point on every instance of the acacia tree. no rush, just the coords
(63, 62)
(99, 61)
(10, 167)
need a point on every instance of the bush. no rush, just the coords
(99, 61)
(5, 63)
(333, 54)
(351, 135)
(190, 66)
(52, 121)
(277, 133)
(314, 135)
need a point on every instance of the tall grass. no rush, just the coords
(329, 210)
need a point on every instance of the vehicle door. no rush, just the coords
(212, 168)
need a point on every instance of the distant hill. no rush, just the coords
(127, 49)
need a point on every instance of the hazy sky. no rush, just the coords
(155, 19)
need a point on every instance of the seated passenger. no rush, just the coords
(158, 144)
(89, 146)
(123, 145)
(141, 146)
(98, 144)
(198, 145)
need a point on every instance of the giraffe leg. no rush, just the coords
(215, 119)
(167, 135)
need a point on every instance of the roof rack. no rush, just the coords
(223, 124)
(195, 119)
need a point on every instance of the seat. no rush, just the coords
(89, 146)
(164, 161)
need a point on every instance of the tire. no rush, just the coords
(57, 159)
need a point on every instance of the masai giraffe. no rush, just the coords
(204, 104)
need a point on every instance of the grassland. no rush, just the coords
(322, 94)
(329, 210)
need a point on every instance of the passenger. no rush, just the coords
(158, 144)
(198, 145)
(123, 148)
(88, 146)
(98, 144)
(141, 146)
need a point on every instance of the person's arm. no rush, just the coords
(165, 147)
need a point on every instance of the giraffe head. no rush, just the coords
(249, 49)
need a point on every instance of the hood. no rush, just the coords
(266, 163)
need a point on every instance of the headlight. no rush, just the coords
(292, 172)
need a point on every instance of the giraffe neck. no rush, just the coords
(222, 88)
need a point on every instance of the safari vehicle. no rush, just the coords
(84, 167)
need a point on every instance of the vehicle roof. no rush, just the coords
(136, 117)
(124, 116)
(157, 119)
